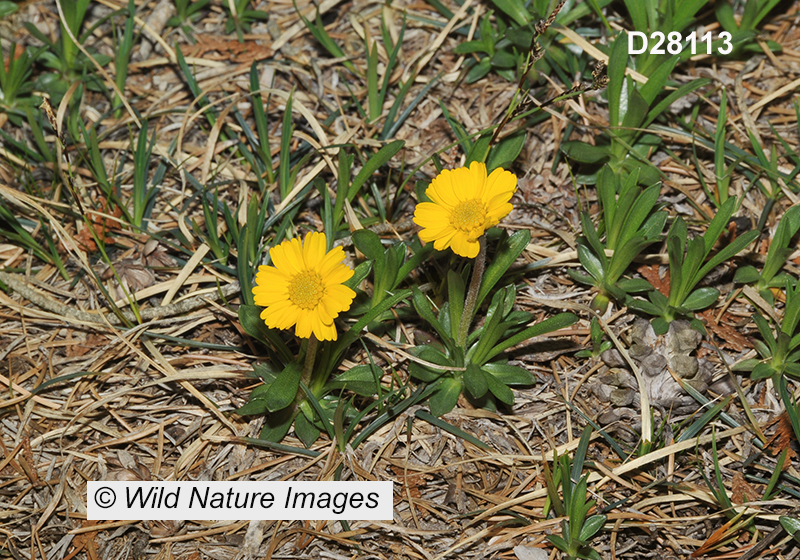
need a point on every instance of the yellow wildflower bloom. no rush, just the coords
(465, 204)
(304, 288)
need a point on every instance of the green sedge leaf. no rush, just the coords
(514, 9)
(382, 156)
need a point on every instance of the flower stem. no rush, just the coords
(311, 354)
(472, 294)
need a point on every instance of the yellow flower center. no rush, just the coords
(306, 289)
(469, 215)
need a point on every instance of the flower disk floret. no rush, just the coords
(465, 203)
(305, 287)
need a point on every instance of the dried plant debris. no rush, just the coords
(660, 359)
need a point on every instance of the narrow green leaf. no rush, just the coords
(507, 253)
(383, 155)
(434, 421)
(548, 325)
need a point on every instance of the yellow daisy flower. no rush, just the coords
(465, 204)
(304, 288)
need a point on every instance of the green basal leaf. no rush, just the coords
(506, 254)
(423, 307)
(455, 297)
(7, 8)
(701, 298)
(660, 326)
(250, 319)
(469, 47)
(370, 244)
(479, 70)
(305, 430)
(586, 153)
(475, 381)
(504, 59)
(359, 379)
(429, 354)
(514, 9)
(593, 238)
(746, 275)
(284, 390)
(505, 152)
(727, 252)
(479, 150)
(634, 285)
(360, 273)
(492, 330)
(500, 390)
(548, 325)
(413, 262)
(624, 256)
(255, 406)
(591, 263)
(277, 425)
(762, 371)
(591, 527)
(746, 365)
(581, 278)
(446, 396)
(765, 331)
(509, 374)
(558, 542)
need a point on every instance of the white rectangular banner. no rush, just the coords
(218, 501)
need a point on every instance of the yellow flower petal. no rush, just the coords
(304, 289)
(465, 203)
(313, 248)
